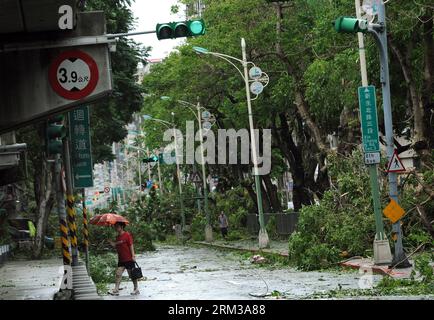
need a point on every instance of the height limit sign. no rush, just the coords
(74, 75)
(369, 120)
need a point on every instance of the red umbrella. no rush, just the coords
(107, 219)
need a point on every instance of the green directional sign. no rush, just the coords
(368, 116)
(81, 152)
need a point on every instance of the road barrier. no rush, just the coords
(286, 223)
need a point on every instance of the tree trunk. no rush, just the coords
(428, 89)
(294, 156)
(272, 194)
(252, 193)
(415, 97)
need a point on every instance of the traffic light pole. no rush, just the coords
(380, 35)
(382, 251)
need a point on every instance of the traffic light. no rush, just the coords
(55, 132)
(153, 158)
(181, 29)
(350, 25)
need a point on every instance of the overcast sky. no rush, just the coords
(148, 14)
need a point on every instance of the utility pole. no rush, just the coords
(382, 253)
(61, 211)
(263, 236)
(70, 202)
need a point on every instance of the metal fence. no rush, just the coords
(286, 223)
(4, 252)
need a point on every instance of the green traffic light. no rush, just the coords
(350, 25)
(181, 29)
(197, 27)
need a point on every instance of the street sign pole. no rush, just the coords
(371, 148)
(380, 34)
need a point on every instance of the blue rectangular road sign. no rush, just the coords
(369, 119)
(81, 152)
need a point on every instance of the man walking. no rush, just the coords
(223, 220)
(126, 257)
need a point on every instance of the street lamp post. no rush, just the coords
(263, 236)
(208, 227)
(178, 172)
(172, 126)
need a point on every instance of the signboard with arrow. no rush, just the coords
(81, 154)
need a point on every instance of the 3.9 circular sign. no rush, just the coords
(73, 75)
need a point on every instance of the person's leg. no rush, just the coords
(119, 272)
(135, 283)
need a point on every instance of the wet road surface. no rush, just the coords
(30, 280)
(195, 273)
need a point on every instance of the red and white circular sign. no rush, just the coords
(106, 189)
(73, 75)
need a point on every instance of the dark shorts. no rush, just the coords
(224, 231)
(128, 265)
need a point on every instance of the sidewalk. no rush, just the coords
(281, 248)
(30, 279)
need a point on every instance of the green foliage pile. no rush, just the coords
(326, 230)
(342, 224)
(102, 269)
